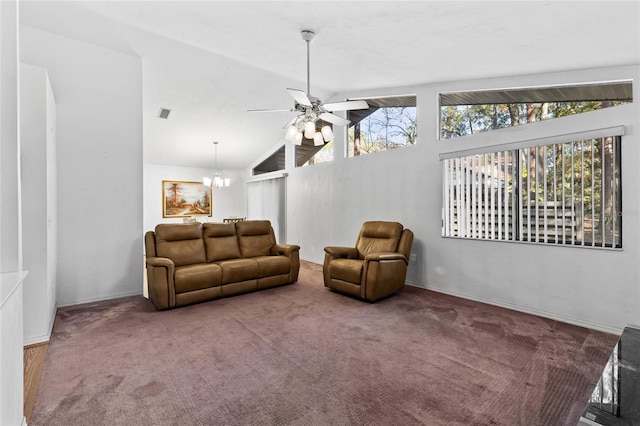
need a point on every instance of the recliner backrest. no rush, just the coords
(220, 241)
(182, 243)
(378, 236)
(255, 237)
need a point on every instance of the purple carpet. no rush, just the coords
(304, 355)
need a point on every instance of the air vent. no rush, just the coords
(164, 113)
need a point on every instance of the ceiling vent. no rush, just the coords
(164, 113)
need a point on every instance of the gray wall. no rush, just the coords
(99, 116)
(327, 204)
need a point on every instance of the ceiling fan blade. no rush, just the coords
(269, 110)
(300, 97)
(346, 105)
(332, 118)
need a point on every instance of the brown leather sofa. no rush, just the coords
(195, 262)
(376, 267)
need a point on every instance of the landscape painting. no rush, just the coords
(185, 199)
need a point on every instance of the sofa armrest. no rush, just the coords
(386, 256)
(284, 249)
(160, 273)
(160, 262)
(341, 252)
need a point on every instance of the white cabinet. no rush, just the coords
(39, 220)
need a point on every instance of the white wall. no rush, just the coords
(39, 215)
(11, 274)
(99, 141)
(10, 248)
(227, 202)
(327, 204)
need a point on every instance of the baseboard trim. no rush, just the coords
(98, 299)
(526, 310)
(38, 340)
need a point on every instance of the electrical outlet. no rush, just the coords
(413, 258)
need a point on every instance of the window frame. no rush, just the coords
(615, 90)
(412, 99)
(616, 132)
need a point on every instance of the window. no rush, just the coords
(388, 123)
(308, 154)
(273, 163)
(562, 193)
(466, 113)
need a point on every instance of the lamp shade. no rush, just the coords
(298, 139)
(292, 131)
(309, 129)
(317, 139)
(327, 133)
(206, 181)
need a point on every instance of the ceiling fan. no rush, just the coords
(311, 109)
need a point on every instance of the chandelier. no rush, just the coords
(215, 181)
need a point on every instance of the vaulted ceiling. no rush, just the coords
(211, 61)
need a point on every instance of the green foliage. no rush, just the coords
(461, 120)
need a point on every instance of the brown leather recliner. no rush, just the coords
(376, 267)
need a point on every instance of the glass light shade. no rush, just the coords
(317, 139)
(298, 139)
(206, 181)
(292, 131)
(309, 129)
(327, 133)
(218, 182)
(227, 181)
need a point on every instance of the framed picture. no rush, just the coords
(185, 199)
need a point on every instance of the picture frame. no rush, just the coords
(182, 199)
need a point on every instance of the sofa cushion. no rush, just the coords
(197, 277)
(236, 270)
(181, 242)
(255, 237)
(220, 241)
(376, 237)
(349, 270)
(272, 265)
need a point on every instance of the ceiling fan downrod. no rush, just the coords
(308, 36)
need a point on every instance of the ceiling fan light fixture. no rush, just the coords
(327, 133)
(309, 129)
(310, 109)
(317, 139)
(292, 131)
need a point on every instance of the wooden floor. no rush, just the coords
(34, 356)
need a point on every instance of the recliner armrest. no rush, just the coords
(159, 261)
(284, 249)
(386, 256)
(160, 280)
(342, 252)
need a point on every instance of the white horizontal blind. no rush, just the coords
(266, 200)
(561, 193)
